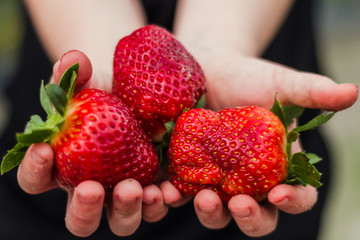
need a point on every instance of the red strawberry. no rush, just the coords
(156, 77)
(236, 151)
(94, 136)
(101, 140)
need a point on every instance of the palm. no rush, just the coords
(238, 81)
(243, 81)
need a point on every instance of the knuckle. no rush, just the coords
(154, 216)
(258, 230)
(124, 225)
(80, 226)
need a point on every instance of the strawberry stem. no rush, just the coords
(202, 102)
(301, 169)
(51, 97)
(304, 171)
(163, 146)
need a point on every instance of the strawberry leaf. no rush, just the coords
(303, 170)
(67, 78)
(291, 113)
(72, 85)
(36, 129)
(55, 122)
(162, 147)
(169, 126)
(45, 100)
(295, 181)
(58, 97)
(35, 136)
(13, 158)
(313, 158)
(293, 135)
(279, 112)
(35, 123)
(317, 121)
(202, 102)
(161, 152)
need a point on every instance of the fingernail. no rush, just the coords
(243, 213)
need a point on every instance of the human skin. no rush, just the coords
(231, 81)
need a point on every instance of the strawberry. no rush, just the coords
(156, 77)
(244, 150)
(94, 136)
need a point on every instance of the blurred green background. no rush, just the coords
(339, 42)
(338, 29)
(10, 38)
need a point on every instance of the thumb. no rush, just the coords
(315, 91)
(69, 59)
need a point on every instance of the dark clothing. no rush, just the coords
(41, 216)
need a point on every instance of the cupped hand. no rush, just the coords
(126, 205)
(236, 80)
(253, 218)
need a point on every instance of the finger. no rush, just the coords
(56, 72)
(253, 219)
(100, 80)
(313, 90)
(69, 59)
(210, 210)
(84, 209)
(154, 207)
(293, 199)
(124, 213)
(172, 196)
(35, 171)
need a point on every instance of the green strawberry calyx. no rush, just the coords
(54, 100)
(301, 169)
